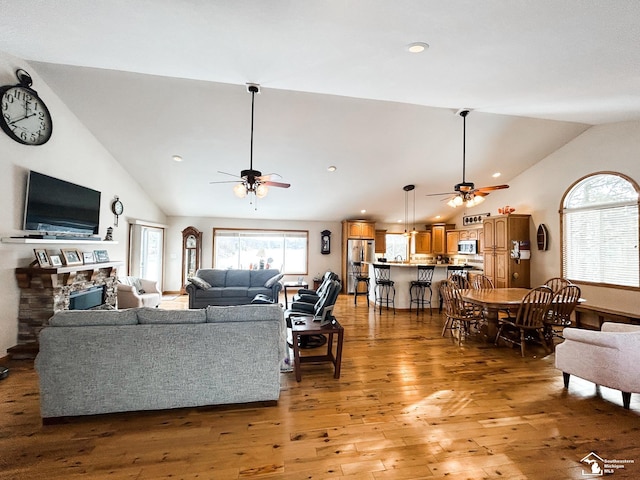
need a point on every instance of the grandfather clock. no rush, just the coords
(191, 254)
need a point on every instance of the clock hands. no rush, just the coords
(21, 118)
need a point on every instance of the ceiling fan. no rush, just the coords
(466, 192)
(253, 181)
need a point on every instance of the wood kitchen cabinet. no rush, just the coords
(453, 237)
(439, 238)
(423, 242)
(381, 241)
(360, 229)
(499, 234)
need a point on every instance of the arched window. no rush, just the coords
(600, 231)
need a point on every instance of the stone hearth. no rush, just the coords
(45, 291)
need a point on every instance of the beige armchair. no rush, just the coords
(609, 357)
(136, 292)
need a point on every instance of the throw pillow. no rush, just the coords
(269, 283)
(200, 283)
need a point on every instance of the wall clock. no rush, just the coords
(25, 117)
(117, 208)
(325, 242)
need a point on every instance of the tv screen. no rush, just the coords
(56, 206)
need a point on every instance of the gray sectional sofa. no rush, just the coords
(211, 286)
(93, 362)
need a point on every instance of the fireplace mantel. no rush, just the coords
(58, 276)
(45, 291)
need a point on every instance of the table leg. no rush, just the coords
(338, 358)
(491, 315)
(296, 355)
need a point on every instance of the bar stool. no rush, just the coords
(419, 287)
(358, 278)
(385, 291)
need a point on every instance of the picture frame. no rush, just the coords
(71, 256)
(42, 257)
(101, 256)
(55, 260)
(88, 257)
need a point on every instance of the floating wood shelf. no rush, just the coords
(43, 241)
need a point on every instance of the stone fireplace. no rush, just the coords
(45, 291)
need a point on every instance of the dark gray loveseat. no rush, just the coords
(232, 287)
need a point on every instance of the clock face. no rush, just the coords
(118, 208)
(25, 117)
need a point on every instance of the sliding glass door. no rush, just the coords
(146, 249)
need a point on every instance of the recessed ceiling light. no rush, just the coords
(437, 217)
(363, 211)
(332, 168)
(177, 158)
(496, 175)
(417, 47)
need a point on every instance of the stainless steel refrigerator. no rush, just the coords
(358, 251)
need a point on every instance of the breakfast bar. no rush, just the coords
(402, 274)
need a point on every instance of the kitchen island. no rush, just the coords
(402, 275)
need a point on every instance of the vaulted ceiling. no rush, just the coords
(158, 78)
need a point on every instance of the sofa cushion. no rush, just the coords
(242, 313)
(77, 318)
(234, 292)
(269, 283)
(216, 278)
(154, 315)
(260, 277)
(200, 283)
(238, 278)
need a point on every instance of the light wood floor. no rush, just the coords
(409, 405)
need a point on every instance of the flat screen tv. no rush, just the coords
(54, 206)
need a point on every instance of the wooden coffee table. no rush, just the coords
(305, 326)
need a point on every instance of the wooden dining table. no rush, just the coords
(492, 301)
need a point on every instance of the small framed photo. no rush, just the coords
(87, 257)
(71, 256)
(55, 260)
(101, 256)
(42, 257)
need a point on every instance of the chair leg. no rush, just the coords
(498, 334)
(626, 399)
(522, 342)
(565, 378)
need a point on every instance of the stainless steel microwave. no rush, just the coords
(468, 247)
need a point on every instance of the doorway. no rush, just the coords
(146, 252)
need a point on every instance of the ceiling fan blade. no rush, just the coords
(228, 181)
(437, 194)
(276, 184)
(489, 189)
(230, 174)
(268, 176)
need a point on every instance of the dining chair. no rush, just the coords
(559, 315)
(557, 283)
(458, 314)
(529, 319)
(481, 282)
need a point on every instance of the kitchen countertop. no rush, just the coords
(437, 265)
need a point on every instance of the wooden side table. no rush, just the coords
(295, 285)
(305, 326)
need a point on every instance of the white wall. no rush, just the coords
(72, 154)
(539, 191)
(318, 263)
